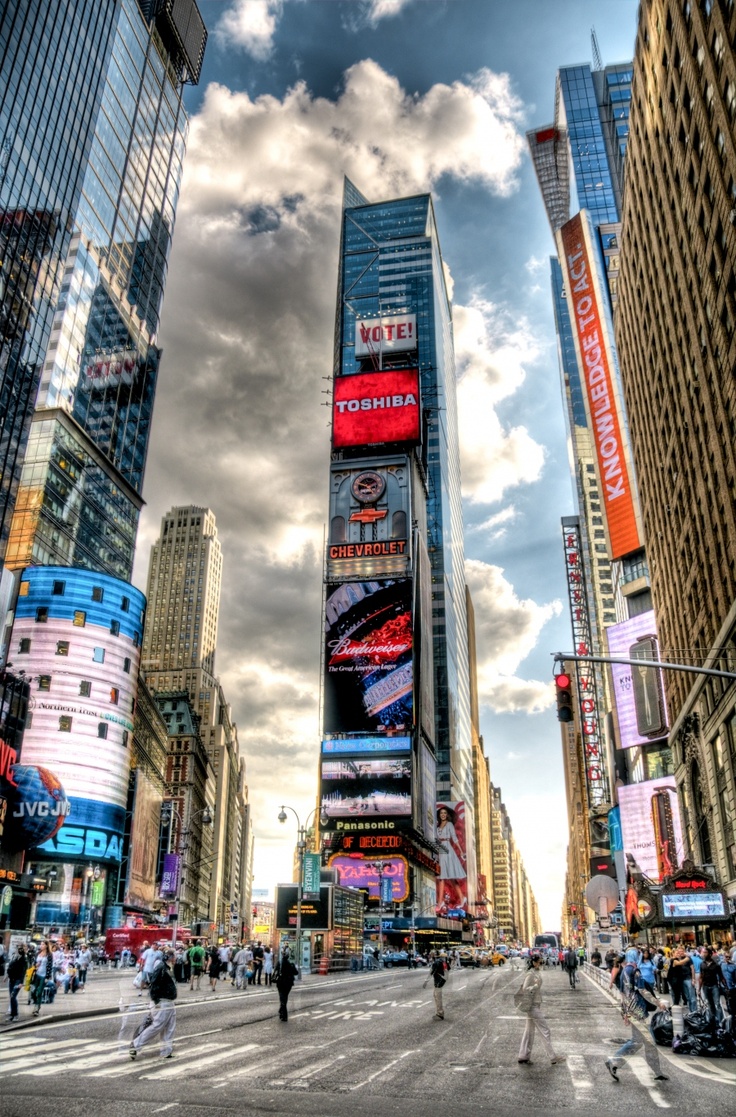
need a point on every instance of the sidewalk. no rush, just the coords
(109, 990)
(721, 1070)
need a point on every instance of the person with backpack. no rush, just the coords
(285, 975)
(162, 991)
(570, 963)
(437, 972)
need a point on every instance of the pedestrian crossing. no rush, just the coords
(346, 1064)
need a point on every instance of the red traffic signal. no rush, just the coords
(563, 687)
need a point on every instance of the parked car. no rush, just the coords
(396, 958)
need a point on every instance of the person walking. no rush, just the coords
(17, 967)
(196, 956)
(42, 974)
(680, 978)
(437, 975)
(267, 965)
(571, 965)
(285, 975)
(214, 968)
(84, 960)
(240, 963)
(712, 984)
(162, 991)
(257, 963)
(528, 1000)
(636, 1003)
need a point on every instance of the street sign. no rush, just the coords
(387, 890)
(310, 876)
(5, 899)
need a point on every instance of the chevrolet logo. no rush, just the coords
(368, 515)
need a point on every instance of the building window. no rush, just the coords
(42, 614)
(79, 619)
(44, 682)
(136, 639)
(62, 647)
(126, 738)
(58, 589)
(126, 665)
(114, 628)
(98, 655)
(125, 604)
(85, 688)
(102, 730)
(23, 589)
(24, 646)
(65, 723)
(114, 695)
(97, 593)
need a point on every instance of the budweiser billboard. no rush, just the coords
(596, 356)
(376, 407)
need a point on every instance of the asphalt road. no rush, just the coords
(353, 1047)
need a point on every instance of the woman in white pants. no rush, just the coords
(529, 1000)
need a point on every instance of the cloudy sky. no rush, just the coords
(403, 96)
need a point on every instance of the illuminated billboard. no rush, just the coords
(366, 788)
(77, 634)
(693, 905)
(638, 691)
(650, 824)
(369, 676)
(357, 745)
(587, 299)
(355, 871)
(370, 514)
(376, 407)
(316, 915)
(144, 832)
(452, 883)
(375, 337)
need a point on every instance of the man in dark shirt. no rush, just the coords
(712, 983)
(680, 978)
(257, 963)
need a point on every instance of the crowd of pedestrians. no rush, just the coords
(42, 970)
(695, 977)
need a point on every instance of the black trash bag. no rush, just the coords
(661, 1027)
(698, 1024)
(684, 1045)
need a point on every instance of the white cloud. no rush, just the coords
(507, 629)
(247, 337)
(495, 526)
(250, 24)
(385, 9)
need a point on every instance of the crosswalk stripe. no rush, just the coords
(135, 1067)
(219, 1057)
(43, 1062)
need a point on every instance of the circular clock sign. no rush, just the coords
(368, 486)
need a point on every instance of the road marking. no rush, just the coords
(303, 1074)
(171, 1105)
(217, 1057)
(639, 1066)
(134, 1067)
(579, 1073)
(382, 1070)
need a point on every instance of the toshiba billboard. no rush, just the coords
(589, 313)
(375, 407)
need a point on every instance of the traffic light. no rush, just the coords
(563, 686)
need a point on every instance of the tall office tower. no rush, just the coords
(579, 160)
(675, 327)
(179, 642)
(396, 711)
(92, 136)
(482, 797)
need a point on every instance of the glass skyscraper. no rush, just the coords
(391, 272)
(93, 131)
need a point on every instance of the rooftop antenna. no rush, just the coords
(597, 60)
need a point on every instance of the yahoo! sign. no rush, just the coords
(355, 871)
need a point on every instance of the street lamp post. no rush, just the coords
(301, 847)
(380, 867)
(181, 848)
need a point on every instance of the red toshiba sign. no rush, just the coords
(376, 407)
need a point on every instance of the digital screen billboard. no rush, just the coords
(638, 691)
(650, 824)
(355, 871)
(359, 745)
(77, 634)
(366, 788)
(375, 337)
(452, 883)
(369, 677)
(371, 408)
(596, 357)
(693, 905)
(144, 831)
(315, 914)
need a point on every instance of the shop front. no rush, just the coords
(688, 907)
